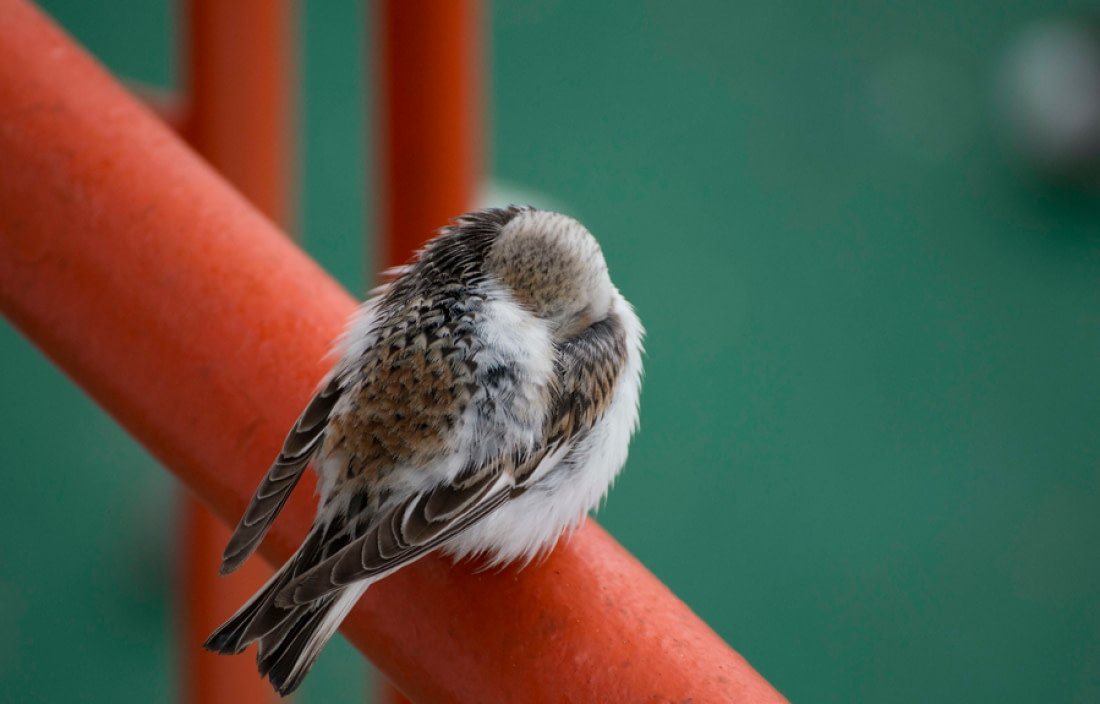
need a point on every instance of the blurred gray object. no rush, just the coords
(1050, 95)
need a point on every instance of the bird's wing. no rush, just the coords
(270, 497)
(406, 532)
(589, 366)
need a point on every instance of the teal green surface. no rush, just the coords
(869, 454)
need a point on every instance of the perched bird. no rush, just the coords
(482, 404)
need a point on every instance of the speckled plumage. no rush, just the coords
(482, 404)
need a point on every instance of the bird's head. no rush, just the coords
(555, 268)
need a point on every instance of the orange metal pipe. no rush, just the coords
(240, 64)
(430, 94)
(183, 312)
(241, 77)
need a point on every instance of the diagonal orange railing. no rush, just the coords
(202, 330)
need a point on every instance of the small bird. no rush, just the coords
(482, 404)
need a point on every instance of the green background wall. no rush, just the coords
(869, 454)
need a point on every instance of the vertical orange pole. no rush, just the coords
(430, 139)
(430, 129)
(240, 88)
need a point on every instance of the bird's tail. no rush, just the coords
(290, 639)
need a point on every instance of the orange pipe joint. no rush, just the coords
(202, 330)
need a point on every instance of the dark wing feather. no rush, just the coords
(402, 534)
(589, 365)
(270, 497)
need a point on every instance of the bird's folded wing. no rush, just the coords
(277, 485)
(403, 533)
